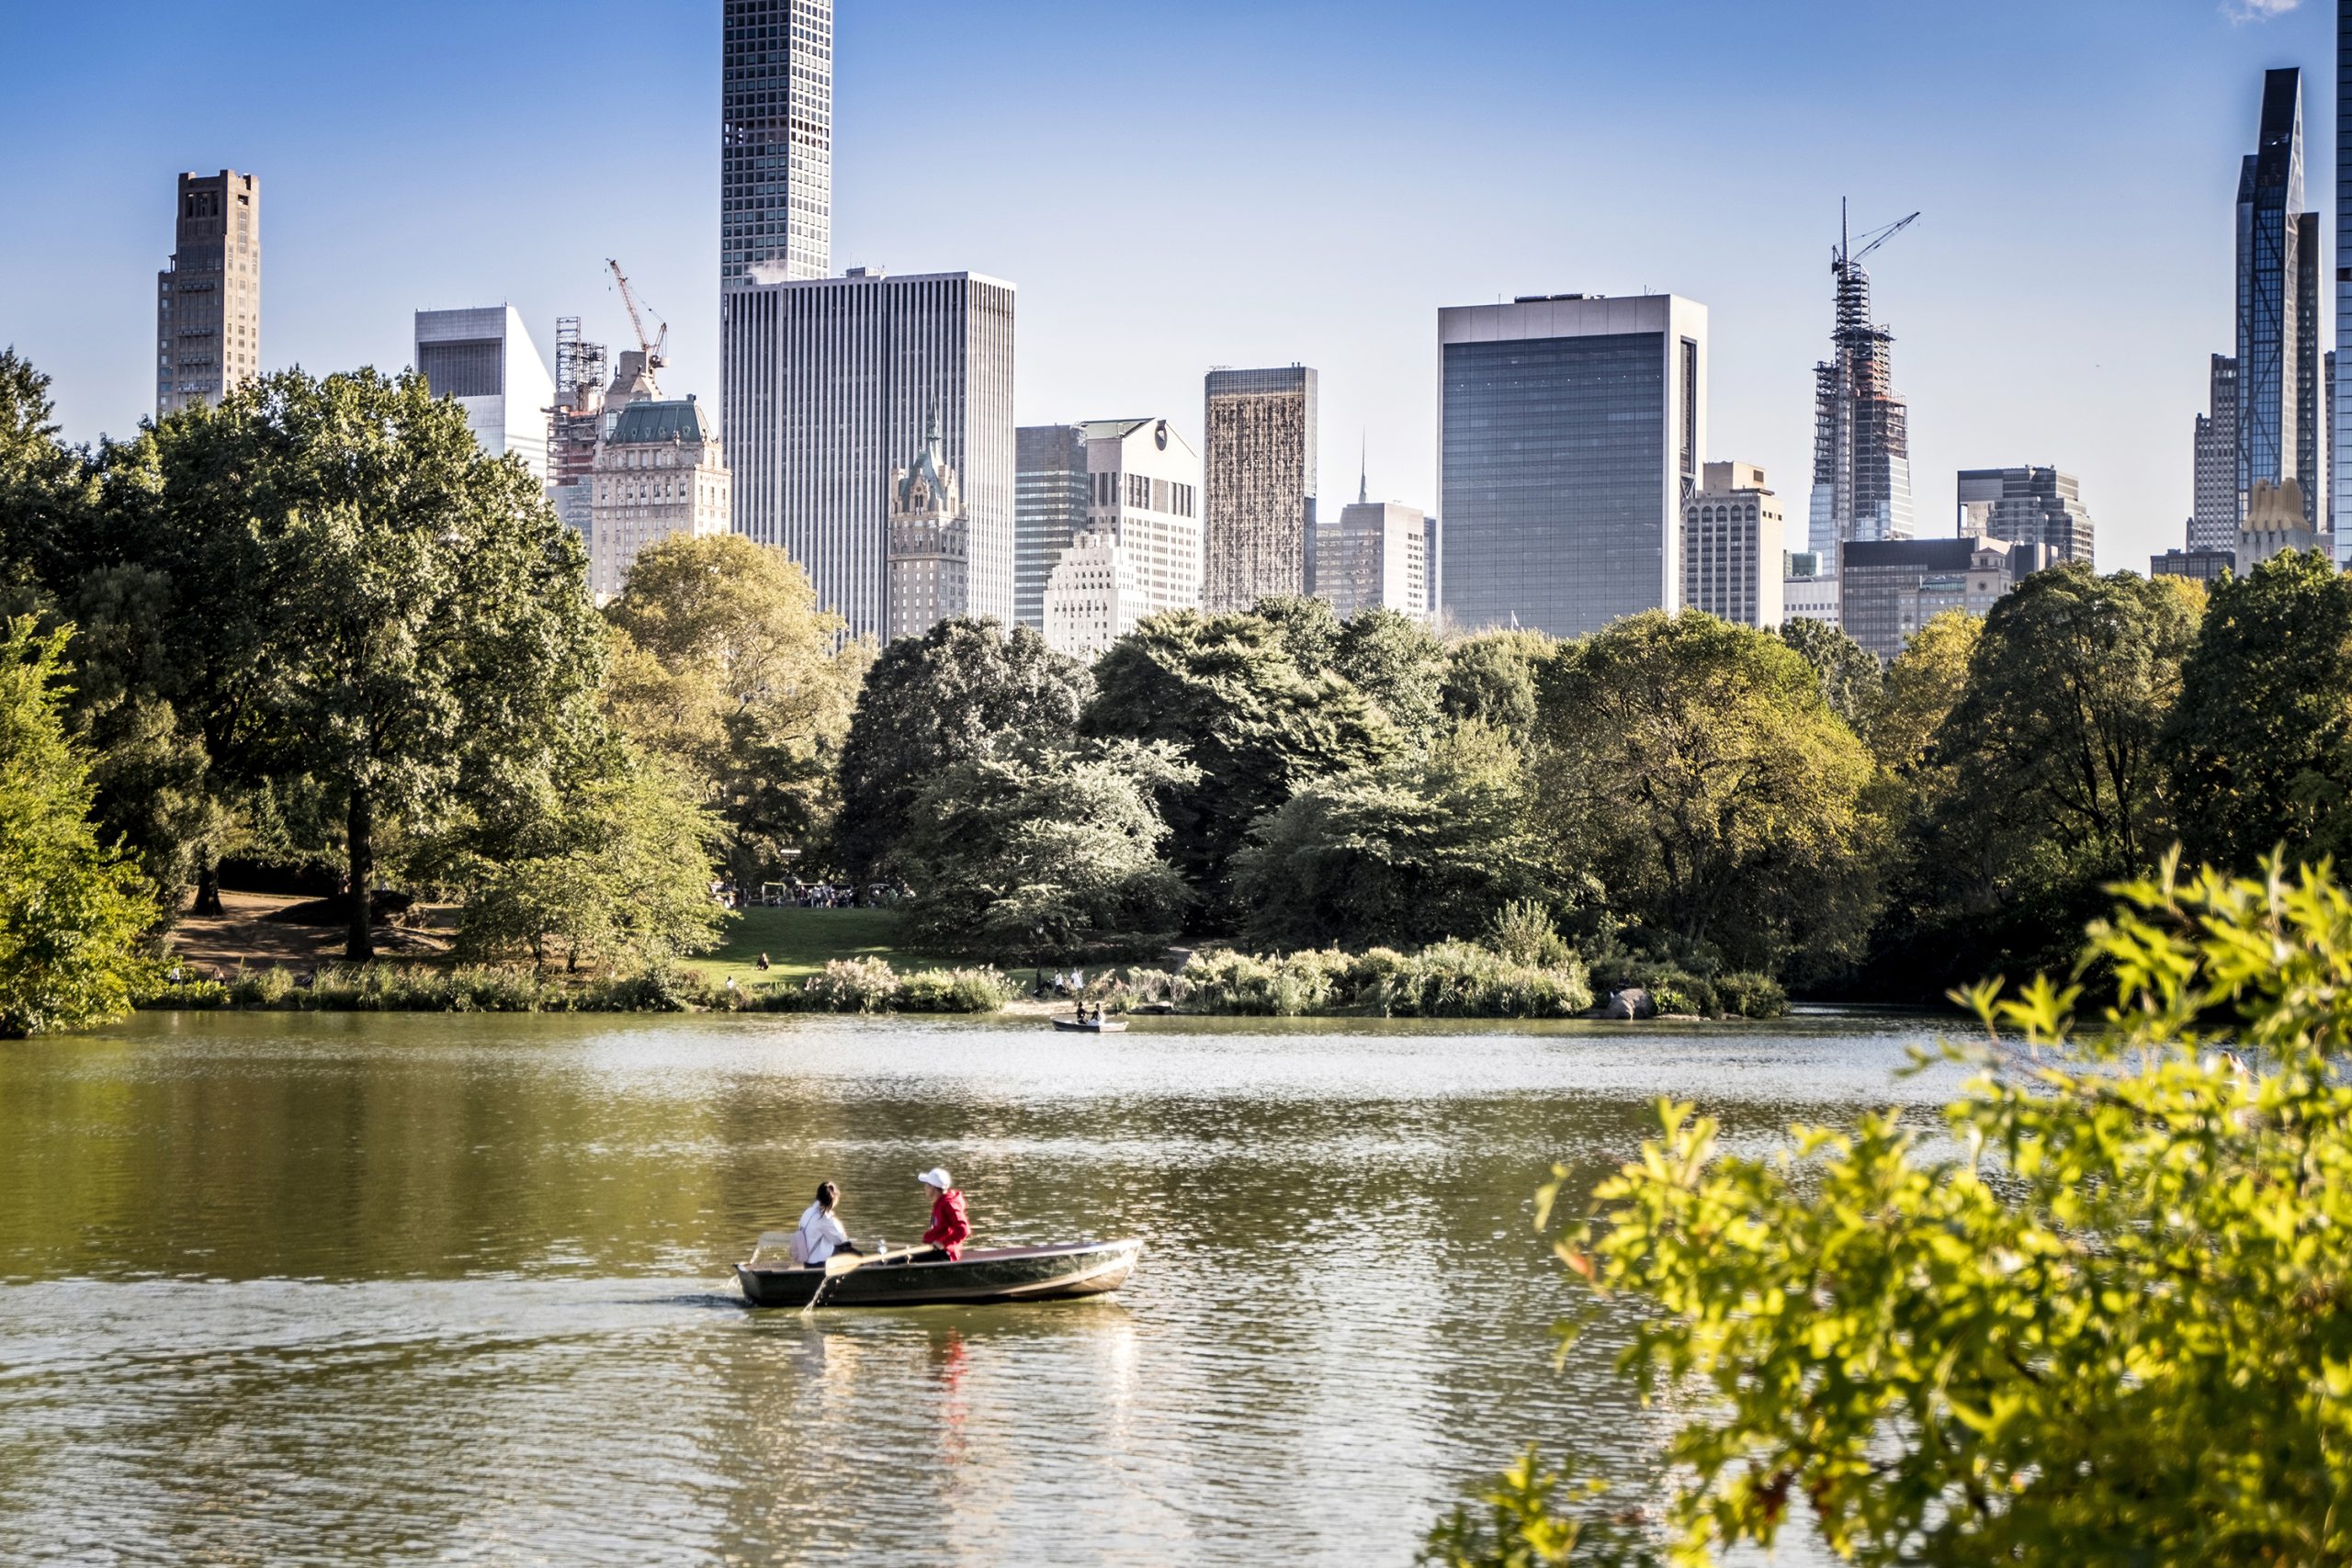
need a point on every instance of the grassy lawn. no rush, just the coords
(801, 942)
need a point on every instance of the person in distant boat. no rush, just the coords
(820, 1234)
(950, 1226)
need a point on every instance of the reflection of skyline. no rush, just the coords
(514, 1231)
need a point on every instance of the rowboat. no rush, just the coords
(1093, 1025)
(982, 1274)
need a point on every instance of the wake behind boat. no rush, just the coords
(982, 1274)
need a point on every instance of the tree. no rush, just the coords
(1224, 692)
(1395, 660)
(965, 689)
(44, 484)
(1491, 678)
(1922, 687)
(2259, 749)
(614, 866)
(1847, 671)
(1045, 851)
(2054, 784)
(723, 662)
(72, 911)
(1405, 852)
(1307, 626)
(433, 641)
(1693, 768)
(2095, 1322)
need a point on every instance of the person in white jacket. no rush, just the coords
(820, 1234)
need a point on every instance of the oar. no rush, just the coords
(841, 1263)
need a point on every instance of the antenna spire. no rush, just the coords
(1363, 469)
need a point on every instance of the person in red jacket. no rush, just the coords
(949, 1224)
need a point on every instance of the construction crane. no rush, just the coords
(652, 349)
(1846, 256)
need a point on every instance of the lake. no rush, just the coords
(288, 1287)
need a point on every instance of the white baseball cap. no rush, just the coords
(936, 1177)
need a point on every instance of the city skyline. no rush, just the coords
(1532, 173)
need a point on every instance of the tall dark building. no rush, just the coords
(2214, 518)
(2279, 405)
(775, 156)
(1049, 498)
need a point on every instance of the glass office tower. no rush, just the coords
(1570, 430)
(2277, 306)
(776, 148)
(1049, 493)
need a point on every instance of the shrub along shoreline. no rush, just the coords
(1450, 979)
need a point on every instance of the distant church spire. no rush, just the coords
(1363, 469)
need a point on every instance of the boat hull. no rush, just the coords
(981, 1275)
(1109, 1026)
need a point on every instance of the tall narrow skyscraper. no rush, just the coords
(1570, 429)
(1861, 431)
(484, 358)
(1049, 505)
(208, 302)
(2339, 407)
(2213, 519)
(1258, 430)
(775, 158)
(2278, 307)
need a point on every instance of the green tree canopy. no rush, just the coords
(1847, 671)
(1045, 851)
(1922, 687)
(72, 911)
(723, 662)
(432, 642)
(1694, 769)
(44, 484)
(2259, 749)
(1409, 851)
(1491, 678)
(1308, 628)
(1398, 663)
(2094, 1323)
(1224, 692)
(966, 688)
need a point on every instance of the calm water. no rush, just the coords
(279, 1288)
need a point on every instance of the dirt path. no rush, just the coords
(241, 934)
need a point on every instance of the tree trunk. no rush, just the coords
(361, 828)
(207, 886)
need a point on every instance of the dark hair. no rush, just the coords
(828, 1194)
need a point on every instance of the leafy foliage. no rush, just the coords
(1695, 770)
(964, 690)
(1850, 681)
(72, 912)
(1491, 678)
(2098, 1323)
(1051, 852)
(1228, 696)
(2259, 749)
(1397, 663)
(723, 662)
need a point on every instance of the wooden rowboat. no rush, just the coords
(1093, 1025)
(982, 1274)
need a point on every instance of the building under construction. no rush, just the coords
(1861, 440)
(576, 421)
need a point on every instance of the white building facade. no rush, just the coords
(829, 383)
(484, 359)
(661, 471)
(1374, 557)
(1092, 596)
(1144, 489)
(1732, 531)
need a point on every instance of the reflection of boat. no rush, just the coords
(982, 1274)
(1093, 1025)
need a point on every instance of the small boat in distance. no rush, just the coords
(983, 1274)
(1093, 1025)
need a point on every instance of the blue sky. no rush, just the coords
(1215, 183)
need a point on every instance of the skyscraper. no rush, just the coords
(2277, 306)
(208, 302)
(1144, 489)
(1049, 491)
(1570, 429)
(828, 384)
(776, 157)
(2213, 519)
(1732, 535)
(1861, 429)
(1259, 428)
(929, 543)
(2339, 407)
(484, 359)
(1376, 557)
(659, 472)
(2027, 505)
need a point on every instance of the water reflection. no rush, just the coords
(293, 1288)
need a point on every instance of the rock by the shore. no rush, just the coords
(1631, 1002)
